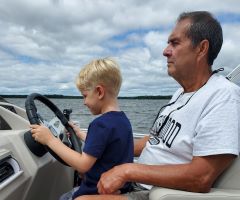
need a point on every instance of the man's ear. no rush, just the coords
(100, 91)
(203, 48)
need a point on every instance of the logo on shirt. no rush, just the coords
(165, 129)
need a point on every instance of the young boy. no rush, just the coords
(109, 141)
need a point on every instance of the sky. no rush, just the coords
(44, 44)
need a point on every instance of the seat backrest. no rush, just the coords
(230, 179)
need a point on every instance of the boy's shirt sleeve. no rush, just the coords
(97, 139)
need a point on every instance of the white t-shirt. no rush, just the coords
(201, 123)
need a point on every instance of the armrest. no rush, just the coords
(157, 193)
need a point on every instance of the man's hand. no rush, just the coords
(112, 180)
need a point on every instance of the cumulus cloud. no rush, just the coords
(43, 44)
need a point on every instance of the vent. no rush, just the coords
(6, 170)
(9, 168)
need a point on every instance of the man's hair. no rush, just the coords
(103, 72)
(204, 26)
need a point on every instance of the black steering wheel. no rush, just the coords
(56, 125)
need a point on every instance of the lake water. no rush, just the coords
(141, 112)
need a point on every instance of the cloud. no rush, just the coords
(43, 44)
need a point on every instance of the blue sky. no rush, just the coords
(44, 44)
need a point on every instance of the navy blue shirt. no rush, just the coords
(110, 140)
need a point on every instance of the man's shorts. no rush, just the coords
(138, 193)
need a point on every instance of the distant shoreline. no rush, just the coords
(56, 96)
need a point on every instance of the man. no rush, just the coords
(196, 136)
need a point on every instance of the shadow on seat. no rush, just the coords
(226, 187)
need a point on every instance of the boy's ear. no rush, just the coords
(100, 91)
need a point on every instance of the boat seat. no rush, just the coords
(226, 187)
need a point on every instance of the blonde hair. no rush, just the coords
(105, 72)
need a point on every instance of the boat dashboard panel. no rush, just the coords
(23, 175)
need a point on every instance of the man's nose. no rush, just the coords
(167, 52)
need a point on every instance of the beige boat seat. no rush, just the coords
(227, 187)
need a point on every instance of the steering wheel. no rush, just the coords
(56, 126)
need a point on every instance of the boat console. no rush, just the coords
(24, 175)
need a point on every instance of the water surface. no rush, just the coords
(141, 112)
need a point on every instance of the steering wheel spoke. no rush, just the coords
(55, 126)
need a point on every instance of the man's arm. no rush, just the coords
(197, 176)
(139, 144)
